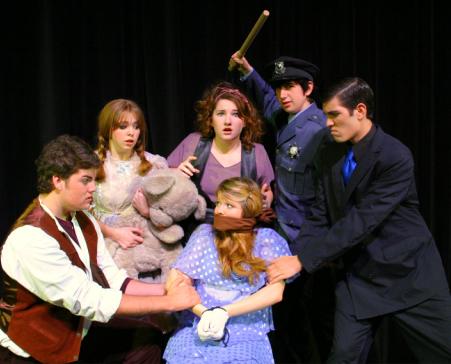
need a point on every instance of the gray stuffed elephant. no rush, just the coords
(172, 197)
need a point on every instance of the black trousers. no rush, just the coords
(426, 328)
(108, 346)
(7, 357)
(304, 319)
(122, 346)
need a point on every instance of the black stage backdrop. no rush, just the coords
(63, 60)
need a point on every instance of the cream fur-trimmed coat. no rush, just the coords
(172, 197)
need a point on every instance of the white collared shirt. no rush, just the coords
(36, 261)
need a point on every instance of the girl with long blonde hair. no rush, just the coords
(226, 263)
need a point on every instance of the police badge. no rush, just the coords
(293, 151)
(279, 68)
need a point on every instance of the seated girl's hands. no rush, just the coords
(187, 168)
(212, 324)
(140, 203)
(127, 237)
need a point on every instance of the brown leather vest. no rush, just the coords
(50, 334)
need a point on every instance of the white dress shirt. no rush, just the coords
(36, 261)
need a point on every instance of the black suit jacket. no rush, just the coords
(390, 258)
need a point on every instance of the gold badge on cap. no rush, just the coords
(279, 68)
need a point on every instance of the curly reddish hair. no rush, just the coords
(246, 110)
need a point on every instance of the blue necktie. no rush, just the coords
(348, 166)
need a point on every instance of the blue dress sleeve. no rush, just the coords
(270, 245)
(198, 250)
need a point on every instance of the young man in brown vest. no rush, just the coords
(58, 275)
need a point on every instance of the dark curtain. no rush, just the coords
(63, 60)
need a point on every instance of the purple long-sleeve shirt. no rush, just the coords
(215, 173)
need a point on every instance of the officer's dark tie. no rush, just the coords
(348, 166)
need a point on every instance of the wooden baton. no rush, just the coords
(250, 37)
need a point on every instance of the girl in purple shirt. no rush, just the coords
(225, 144)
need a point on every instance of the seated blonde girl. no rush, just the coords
(226, 263)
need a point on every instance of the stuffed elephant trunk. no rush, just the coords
(160, 218)
(168, 235)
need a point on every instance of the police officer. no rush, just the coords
(299, 125)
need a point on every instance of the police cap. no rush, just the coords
(288, 68)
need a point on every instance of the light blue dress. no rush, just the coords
(247, 340)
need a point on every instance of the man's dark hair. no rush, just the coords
(352, 91)
(303, 82)
(62, 157)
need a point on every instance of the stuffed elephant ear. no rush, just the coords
(199, 213)
(157, 185)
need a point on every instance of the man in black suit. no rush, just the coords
(366, 212)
